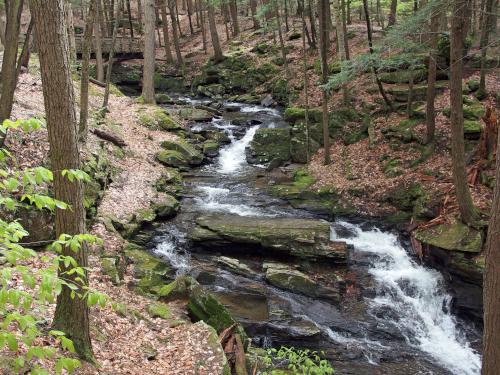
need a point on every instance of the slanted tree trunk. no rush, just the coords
(176, 8)
(24, 58)
(72, 314)
(213, 32)
(370, 46)
(171, 9)
(166, 37)
(323, 6)
(483, 45)
(98, 44)
(8, 75)
(233, 9)
(253, 9)
(430, 115)
(392, 13)
(465, 204)
(116, 17)
(148, 89)
(491, 284)
(84, 86)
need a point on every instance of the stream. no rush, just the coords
(395, 315)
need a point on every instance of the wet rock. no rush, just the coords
(189, 154)
(216, 136)
(303, 238)
(201, 304)
(170, 176)
(211, 149)
(151, 273)
(267, 101)
(167, 208)
(236, 266)
(287, 278)
(163, 99)
(269, 144)
(214, 90)
(455, 237)
(172, 158)
(248, 99)
(195, 114)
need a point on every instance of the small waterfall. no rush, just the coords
(418, 297)
(233, 157)
(168, 248)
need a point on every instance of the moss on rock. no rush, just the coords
(456, 237)
(189, 153)
(158, 310)
(270, 144)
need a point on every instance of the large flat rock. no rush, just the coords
(302, 238)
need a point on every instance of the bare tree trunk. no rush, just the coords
(84, 86)
(116, 16)
(491, 285)
(176, 8)
(226, 17)
(71, 30)
(340, 41)
(306, 88)
(24, 58)
(465, 204)
(203, 26)
(312, 23)
(344, 27)
(197, 12)
(8, 74)
(166, 37)
(148, 88)
(233, 8)
(483, 45)
(253, 8)
(139, 15)
(282, 43)
(98, 45)
(348, 11)
(323, 6)
(392, 13)
(430, 116)
(370, 45)
(172, 8)
(213, 33)
(129, 13)
(285, 6)
(190, 12)
(72, 313)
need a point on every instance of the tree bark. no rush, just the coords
(190, 12)
(129, 13)
(430, 115)
(98, 44)
(370, 46)
(253, 9)
(116, 17)
(213, 33)
(166, 37)
(282, 44)
(171, 9)
(84, 86)
(392, 13)
(148, 89)
(24, 57)
(344, 27)
(323, 6)
(312, 22)
(203, 26)
(233, 9)
(340, 40)
(491, 285)
(8, 75)
(306, 87)
(72, 314)
(139, 15)
(483, 45)
(465, 204)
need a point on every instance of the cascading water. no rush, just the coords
(232, 158)
(418, 297)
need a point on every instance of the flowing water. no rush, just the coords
(395, 316)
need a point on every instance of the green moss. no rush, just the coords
(167, 208)
(188, 151)
(302, 179)
(158, 119)
(472, 127)
(172, 158)
(158, 310)
(456, 236)
(270, 145)
(393, 168)
(404, 131)
(109, 266)
(404, 76)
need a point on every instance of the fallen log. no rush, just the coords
(109, 137)
(240, 359)
(96, 82)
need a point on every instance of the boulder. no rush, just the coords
(195, 114)
(302, 238)
(236, 266)
(287, 278)
(167, 208)
(172, 158)
(159, 119)
(201, 304)
(211, 149)
(190, 154)
(163, 99)
(151, 273)
(214, 345)
(404, 131)
(111, 267)
(158, 310)
(454, 237)
(269, 144)
(404, 76)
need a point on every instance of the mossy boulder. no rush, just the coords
(236, 266)
(474, 110)
(269, 144)
(163, 99)
(404, 197)
(295, 114)
(170, 177)
(400, 91)
(404, 76)
(302, 238)
(201, 304)
(159, 119)
(214, 90)
(151, 273)
(167, 83)
(172, 158)
(189, 153)
(111, 267)
(158, 310)
(472, 129)
(455, 237)
(195, 114)
(472, 85)
(167, 208)
(393, 168)
(288, 278)
(404, 131)
(300, 148)
(211, 149)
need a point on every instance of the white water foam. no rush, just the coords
(213, 198)
(416, 293)
(168, 250)
(233, 156)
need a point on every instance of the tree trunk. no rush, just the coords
(491, 285)
(430, 116)
(72, 314)
(392, 13)
(285, 6)
(340, 40)
(71, 30)
(306, 88)
(24, 58)
(98, 44)
(116, 16)
(130, 23)
(213, 33)
(84, 86)
(148, 89)
(282, 43)
(483, 45)
(166, 37)
(176, 12)
(190, 12)
(253, 8)
(8, 74)
(203, 26)
(233, 9)
(464, 198)
(139, 15)
(312, 22)
(344, 27)
(171, 9)
(348, 15)
(370, 45)
(323, 6)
